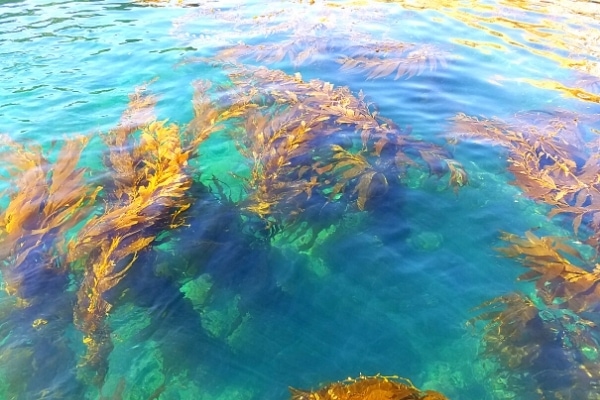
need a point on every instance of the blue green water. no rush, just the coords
(387, 290)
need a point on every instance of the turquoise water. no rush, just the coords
(225, 309)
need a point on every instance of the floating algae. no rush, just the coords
(368, 388)
(300, 167)
(319, 159)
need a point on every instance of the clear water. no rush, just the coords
(387, 290)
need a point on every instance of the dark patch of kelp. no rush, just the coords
(308, 145)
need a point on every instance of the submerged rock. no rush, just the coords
(425, 241)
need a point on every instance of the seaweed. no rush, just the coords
(310, 146)
(312, 140)
(376, 387)
(546, 342)
(525, 26)
(549, 159)
(46, 200)
(539, 349)
(409, 61)
(563, 277)
(151, 182)
(300, 43)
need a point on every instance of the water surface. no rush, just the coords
(229, 303)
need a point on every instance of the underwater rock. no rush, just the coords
(425, 241)
(445, 376)
(197, 291)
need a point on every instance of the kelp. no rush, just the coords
(150, 194)
(46, 200)
(539, 349)
(563, 277)
(312, 141)
(362, 54)
(295, 19)
(297, 50)
(549, 159)
(309, 145)
(569, 39)
(546, 342)
(407, 61)
(300, 43)
(376, 387)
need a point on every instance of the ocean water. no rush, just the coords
(231, 304)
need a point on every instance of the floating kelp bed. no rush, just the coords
(309, 146)
(138, 265)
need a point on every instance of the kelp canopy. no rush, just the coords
(82, 246)
(550, 160)
(547, 341)
(307, 144)
(311, 142)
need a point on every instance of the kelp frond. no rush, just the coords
(561, 274)
(539, 349)
(409, 64)
(303, 138)
(151, 184)
(298, 50)
(549, 160)
(120, 159)
(46, 201)
(376, 387)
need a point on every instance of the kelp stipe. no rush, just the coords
(376, 387)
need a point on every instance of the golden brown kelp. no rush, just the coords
(311, 140)
(563, 277)
(151, 184)
(539, 349)
(368, 388)
(545, 343)
(120, 159)
(549, 159)
(45, 201)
